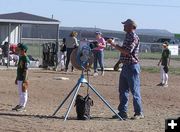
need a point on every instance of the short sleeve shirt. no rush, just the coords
(71, 42)
(103, 42)
(165, 55)
(23, 65)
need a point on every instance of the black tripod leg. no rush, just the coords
(65, 100)
(72, 101)
(105, 102)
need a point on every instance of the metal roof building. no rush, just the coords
(146, 35)
(152, 35)
(155, 32)
(11, 25)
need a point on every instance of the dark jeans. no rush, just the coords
(130, 81)
(98, 57)
(69, 51)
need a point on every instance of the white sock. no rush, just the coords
(20, 92)
(24, 98)
(166, 79)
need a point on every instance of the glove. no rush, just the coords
(24, 86)
(15, 81)
(116, 67)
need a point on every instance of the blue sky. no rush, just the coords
(102, 15)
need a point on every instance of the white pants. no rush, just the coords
(164, 76)
(23, 96)
(61, 60)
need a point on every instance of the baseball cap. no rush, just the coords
(129, 21)
(22, 46)
(98, 33)
(165, 43)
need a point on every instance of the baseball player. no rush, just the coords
(164, 62)
(22, 77)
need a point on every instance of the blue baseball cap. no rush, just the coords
(98, 33)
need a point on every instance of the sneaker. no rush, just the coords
(62, 69)
(15, 108)
(83, 117)
(138, 116)
(21, 109)
(124, 116)
(72, 69)
(102, 73)
(95, 74)
(165, 85)
(160, 84)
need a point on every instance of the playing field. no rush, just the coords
(45, 94)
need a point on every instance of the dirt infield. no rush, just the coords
(45, 94)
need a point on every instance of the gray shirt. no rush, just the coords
(71, 42)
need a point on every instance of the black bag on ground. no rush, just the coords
(83, 105)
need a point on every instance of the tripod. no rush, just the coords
(76, 89)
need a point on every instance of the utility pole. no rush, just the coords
(95, 28)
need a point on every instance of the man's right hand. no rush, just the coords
(110, 41)
(16, 81)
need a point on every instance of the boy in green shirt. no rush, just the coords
(22, 77)
(165, 62)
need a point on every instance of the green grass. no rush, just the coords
(154, 56)
(36, 51)
(111, 54)
(174, 71)
(177, 35)
(150, 69)
(150, 55)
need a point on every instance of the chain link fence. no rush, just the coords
(150, 53)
